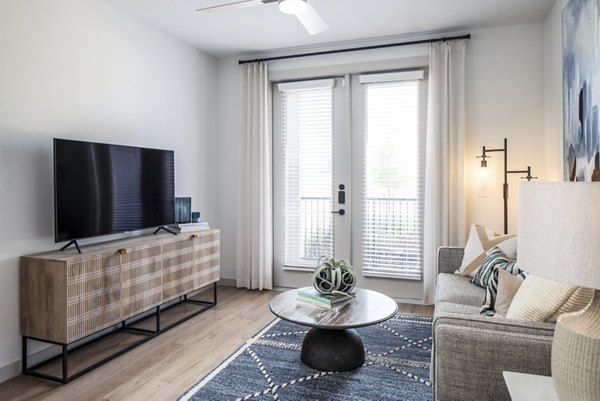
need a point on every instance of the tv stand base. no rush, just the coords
(73, 242)
(145, 335)
(166, 229)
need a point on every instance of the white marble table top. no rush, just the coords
(526, 387)
(367, 308)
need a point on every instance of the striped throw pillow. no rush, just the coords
(491, 291)
(487, 277)
(494, 257)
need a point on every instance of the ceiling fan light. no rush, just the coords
(293, 7)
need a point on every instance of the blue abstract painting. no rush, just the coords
(581, 90)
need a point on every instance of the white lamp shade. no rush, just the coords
(559, 231)
(293, 7)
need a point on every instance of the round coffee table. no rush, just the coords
(332, 344)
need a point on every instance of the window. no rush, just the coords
(393, 139)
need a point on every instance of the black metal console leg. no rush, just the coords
(158, 318)
(215, 293)
(65, 364)
(24, 352)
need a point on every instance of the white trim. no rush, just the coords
(306, 269)
(414, 75)
(303, 85)
(409, 301)
(10, 370)
(398, 276)
(227, 282)
(190, 393)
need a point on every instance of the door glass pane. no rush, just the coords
(392, 211)
(308, 176)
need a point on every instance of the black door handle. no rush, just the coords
(342, 194)
(341, 212)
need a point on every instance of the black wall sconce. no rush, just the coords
(484, 156)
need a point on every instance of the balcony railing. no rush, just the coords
(392, 234)
(391, 230)
(317, 227)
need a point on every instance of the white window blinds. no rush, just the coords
(392, 227)
(307, 172)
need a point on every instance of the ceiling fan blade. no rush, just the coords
(235, 4)
(312, 21)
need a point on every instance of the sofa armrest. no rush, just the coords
(471, 352)
(449, 258)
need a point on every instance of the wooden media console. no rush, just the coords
(67, 298)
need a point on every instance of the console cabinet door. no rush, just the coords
(93, 294)
(206, 259)
(141, 279)
(177, 267)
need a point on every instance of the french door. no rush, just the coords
(348, 177)
(311, 167)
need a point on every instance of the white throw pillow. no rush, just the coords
(480, 241)
(509, 247)
(539, 299)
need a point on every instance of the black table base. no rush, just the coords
(333, 350)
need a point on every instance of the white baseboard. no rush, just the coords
(227, 282)
(14, 369)
(9, 371)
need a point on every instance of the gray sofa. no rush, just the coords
(471, 351)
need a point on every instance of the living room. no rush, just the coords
(161, 75)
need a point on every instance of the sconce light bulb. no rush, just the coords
(483, 163)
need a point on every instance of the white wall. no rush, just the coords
(227, 167)
(85, 69)
(505, 98)
(554, 92)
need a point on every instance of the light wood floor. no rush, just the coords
(166, 366)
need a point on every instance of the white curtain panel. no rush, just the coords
(444, 182)
(254, 267)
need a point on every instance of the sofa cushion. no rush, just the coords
(450, 307)
(459, 290)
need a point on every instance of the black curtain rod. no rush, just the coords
(355, 49)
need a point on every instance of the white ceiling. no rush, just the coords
(262, 28)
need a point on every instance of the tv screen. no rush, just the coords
(102, 189)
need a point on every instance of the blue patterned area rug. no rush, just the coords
(268, 367)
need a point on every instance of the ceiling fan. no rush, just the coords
(302, 9)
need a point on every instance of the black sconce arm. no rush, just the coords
(528, 177)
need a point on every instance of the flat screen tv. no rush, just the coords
(102, 189)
